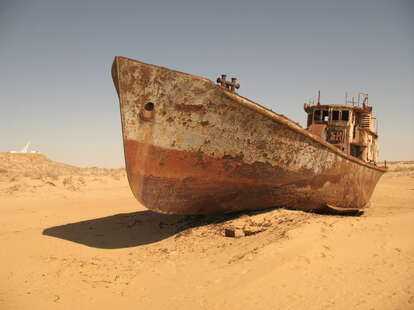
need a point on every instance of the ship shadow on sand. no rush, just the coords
(134, 229)
(131, 229)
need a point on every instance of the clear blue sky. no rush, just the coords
(55, 59)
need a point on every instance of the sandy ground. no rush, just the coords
(83, 242)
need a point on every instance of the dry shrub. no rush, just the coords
(69, 184)
(14, 178)
(67, 181)
(13, 189)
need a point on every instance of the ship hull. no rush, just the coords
(192, 147)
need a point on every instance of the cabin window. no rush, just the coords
(345, 115)
(325, 115)
(335, 115)
(317, 115)
(356, 151)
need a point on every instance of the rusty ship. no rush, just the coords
(196, 147)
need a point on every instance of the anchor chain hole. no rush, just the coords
(149, 106)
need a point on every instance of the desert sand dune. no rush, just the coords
(28, 174)
(84, 242)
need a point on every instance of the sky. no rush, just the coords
(55, 59)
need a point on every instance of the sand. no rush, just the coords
(75, 238)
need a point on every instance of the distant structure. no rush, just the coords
(25, 150)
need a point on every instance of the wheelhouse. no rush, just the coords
(350, 127)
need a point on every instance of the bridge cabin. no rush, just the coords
(350, 127)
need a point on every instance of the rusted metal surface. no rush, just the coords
(318, 130)
(204, 149)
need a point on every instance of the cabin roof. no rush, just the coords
(308, 107)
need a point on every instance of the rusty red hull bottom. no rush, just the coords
(175, 196)
(178, 182)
